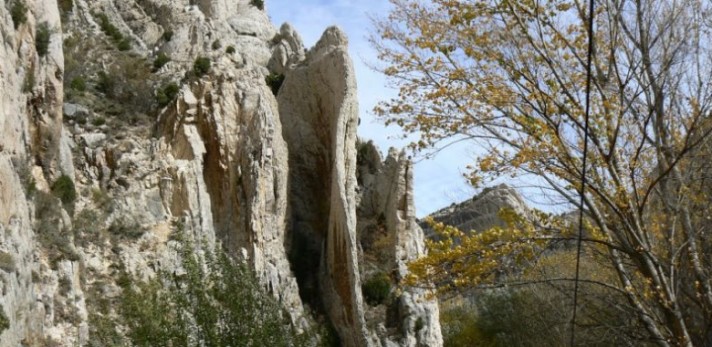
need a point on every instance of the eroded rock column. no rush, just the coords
(390, 238)
(319, 112)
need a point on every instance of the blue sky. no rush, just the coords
(438, 181)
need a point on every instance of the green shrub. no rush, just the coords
(106, 84)
(48, 218)
(538, 315)
(258, 3)
(79, 84)
(18, 12)
(102, 200)
(64, 189)
(177, 230)
(36, 277)
(166, 94)
(223, 306)
(168, 35)
(216, 45)
(128, 85)
(75, 48)
(201, 66)
(460, 329)
(4, 321)
(161, 60)
(102, 328)
(7, 262)
(66, 5)
(29, 83)
(124, 45)
(98, 121)
(230, 50)
(42, 36)
(31, 187)
(108, 28)
(274, 81)
(87, 227)
(377, 289)
(28, 181)
(126, 228)
(48, 213)
(171, 90)
(419, 324)
(64, 285)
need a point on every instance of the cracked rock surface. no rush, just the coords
(227, 156)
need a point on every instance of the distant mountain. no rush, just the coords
(482, 211)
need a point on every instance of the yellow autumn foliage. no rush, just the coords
(511, 74)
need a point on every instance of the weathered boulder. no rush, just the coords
(74, 110)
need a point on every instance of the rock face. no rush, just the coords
(30, 133)
(271, 178)
(226, 165)
(390, 238)
(320, 127)
(481, 212)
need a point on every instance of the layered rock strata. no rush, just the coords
(482, 211)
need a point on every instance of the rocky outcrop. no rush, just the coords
(288, 52)
(31, 65)
(390, 238)
(477, 214)
(318, 108)
(270, 178)
(227, 130)
(482, 211)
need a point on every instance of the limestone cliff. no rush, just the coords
(31, 151)
(169, 117)
(482, 211)
(320, 126)
(389, 238)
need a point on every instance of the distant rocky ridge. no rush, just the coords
(477, 214)
(481, 212)
(389, 238)
(268, 171)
